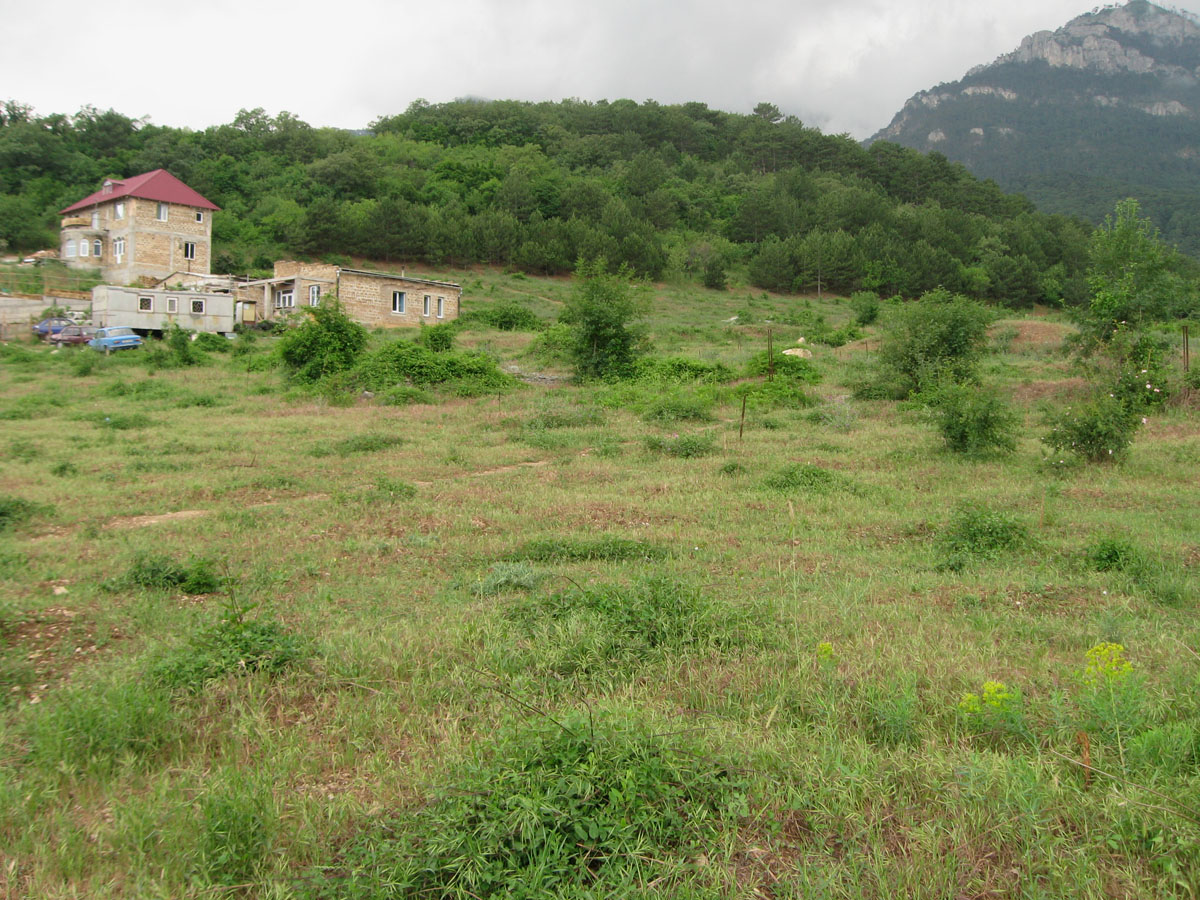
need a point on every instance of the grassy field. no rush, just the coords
(588, 641)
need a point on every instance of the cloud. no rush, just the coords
(844, 67)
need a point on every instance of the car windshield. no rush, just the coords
(118, 332)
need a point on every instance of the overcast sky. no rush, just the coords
(842, 65)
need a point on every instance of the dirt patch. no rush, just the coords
(1033, 335)
(51, 642)
(1061, 389)
(143, 521)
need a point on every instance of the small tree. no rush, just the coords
(328, 342)
(601, 313)
(937, 338)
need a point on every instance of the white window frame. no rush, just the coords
(425, 306)
(119, 209)
(85, 247)
(285, 299)
(441, 308)
(189, 250)
(119, 249)
(200, 216)
(172, 305)
(70, 250)
(314, 295)
(145, 304)
(95, 218)
(97, 248)
(196, 306)
(162, 212)
(399, 302)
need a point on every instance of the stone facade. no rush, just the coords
(374, 299)
(140, 240)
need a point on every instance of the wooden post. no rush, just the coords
(1186, 353)
(770, 357)
(742, 425)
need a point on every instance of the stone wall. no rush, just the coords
(368, 298)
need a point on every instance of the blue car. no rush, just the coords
(115, 338)
(52, 325)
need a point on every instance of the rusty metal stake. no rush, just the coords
(742, 425)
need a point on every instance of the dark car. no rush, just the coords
(73, 334)
(52, 325)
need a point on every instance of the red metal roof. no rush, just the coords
(157, 185)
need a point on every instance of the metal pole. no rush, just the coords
(770, 357)
(742, 426)
(1186, 353)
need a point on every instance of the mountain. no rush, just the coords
(1104, 108)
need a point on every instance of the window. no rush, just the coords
(84, 247)
(199, 215)
(70, 248)
(161, 215)
(441, 307)
(197, 307)
(96, 248)
(95, 218)
(189, 250)
(398, 302)
(172, 304)
(284, 299)
(145, 304)
(119, 249)
(119, 211)
(314, 295)
(425, 309)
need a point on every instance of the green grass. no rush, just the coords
(588, 640)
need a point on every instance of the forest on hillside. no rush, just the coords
(668, 191)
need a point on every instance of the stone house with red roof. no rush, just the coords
(148, 229)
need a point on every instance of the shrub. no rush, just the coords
(685, 446)
(1098, 431)
(606, 547)
(805, 478)
(680, 370)
(196, 576)
(601, 313)
(589, 806)
(328, 341)
(782, 393)
(215, 343)
(576, 417)
(505, 316)
(973, 421)
(866, 307)
(678, 406)
(182, 350)
(941, 336)
(15, 511)
(976, 531)
(235, 645)
(1114, 555)
(404, 362)
(358, 443)
(794, 368)
(438, 338)
(506, 576)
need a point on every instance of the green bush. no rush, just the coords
(685, 446)
(976, 531)
(358, 443)
(505, 316)
(509, 576)
(939, 337)
(1098, 431)
(606, 547)
(327, 342)
(196, 576)
(213, 343)
(235, 645)
(866, 307)
(237, 825)
(678, 406)
(680, 370)
(602, 311)
(805, 478)
(793, 368)
(586, 806)
(973, 421)
(1115, 555)
(438, 338)
(406, 363)
(15, 511)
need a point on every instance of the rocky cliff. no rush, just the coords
(1105, 107)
